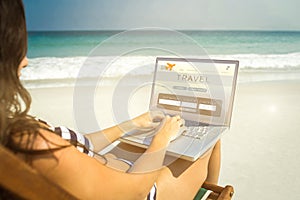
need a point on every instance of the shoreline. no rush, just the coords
(244, 77)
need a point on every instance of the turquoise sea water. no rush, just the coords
(60, 55)
(67, 44)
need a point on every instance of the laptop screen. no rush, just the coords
(200, 90)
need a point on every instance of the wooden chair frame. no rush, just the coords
(22, 180)
(218, 192)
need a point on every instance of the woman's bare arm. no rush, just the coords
(152, 158)
(87, 178)
(103, 138)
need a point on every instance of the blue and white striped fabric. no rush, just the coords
(75, 138)
(152, 193)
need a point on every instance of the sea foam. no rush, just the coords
(66, 68)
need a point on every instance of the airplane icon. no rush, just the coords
(170, 66)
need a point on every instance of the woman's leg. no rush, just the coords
(186, 185)
(214, 165)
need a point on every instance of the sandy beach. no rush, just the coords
(261, 150)
(259, 153)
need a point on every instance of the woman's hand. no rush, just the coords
(148, 120)
(169, 128)
(152, 158)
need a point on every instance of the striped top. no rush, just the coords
(82, 143)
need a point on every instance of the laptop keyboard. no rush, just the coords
(197, 132)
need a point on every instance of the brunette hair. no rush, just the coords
(15, 122)
(18, 130)
(13, 48)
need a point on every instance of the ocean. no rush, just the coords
(57, 58)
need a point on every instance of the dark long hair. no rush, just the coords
(13, 48)
(14, 98)
(18, 130)
(15, 123)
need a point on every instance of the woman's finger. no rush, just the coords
(156, 115)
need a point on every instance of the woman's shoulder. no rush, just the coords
(48, 139)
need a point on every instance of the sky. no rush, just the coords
(173, 14)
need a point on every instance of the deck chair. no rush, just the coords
(214, 192)
(27, 183)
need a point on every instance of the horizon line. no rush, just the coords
(120, 30)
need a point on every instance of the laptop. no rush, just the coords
(202, 92)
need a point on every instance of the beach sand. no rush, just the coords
(259, 153)
(261, 150)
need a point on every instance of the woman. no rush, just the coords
(74, 166)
